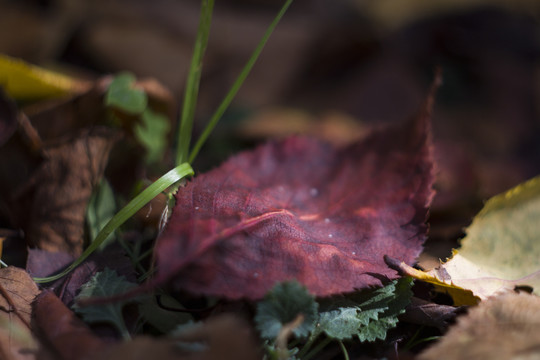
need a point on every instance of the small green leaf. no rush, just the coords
(101, 208)
(122, 95)
(282, 305)
(151, 132)
(340, 324)
(105, 283)
(367, 314)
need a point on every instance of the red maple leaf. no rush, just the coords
(301, 209)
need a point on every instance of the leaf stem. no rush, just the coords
(308, 345)
(193, 81)
(121, 327)
(237, 84)
(344, 350)
(318, 348)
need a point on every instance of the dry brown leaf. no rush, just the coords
(65, 334)
(60, 189)
(505, 327)
(17, 291)
(428, 313)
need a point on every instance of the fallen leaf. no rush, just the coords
(505, 327)
(63, 332)
(17, 291)
(55, 219)
(25, 81)
(428, 313)
(499, 253)
(302, 209)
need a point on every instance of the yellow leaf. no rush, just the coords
(501, 249)
(23, 81)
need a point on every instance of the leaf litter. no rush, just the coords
(350, 316)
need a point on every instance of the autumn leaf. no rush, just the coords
(302, 209)
(61, 330)
(504, 327)
(25, 81)
(499, 253)
(17, 291)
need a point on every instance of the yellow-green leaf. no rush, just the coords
(23, 81)
(501, 249)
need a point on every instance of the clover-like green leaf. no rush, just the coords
(151, 132)
(282, 305)
(367, 314)
(123, 95)
(105, 283)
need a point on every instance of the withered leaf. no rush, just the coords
(504, 327)
(63, 187)
(302, 209)
(66, 335)
(17, 291)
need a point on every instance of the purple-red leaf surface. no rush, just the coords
(301, 209)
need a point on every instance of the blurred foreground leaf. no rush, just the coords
(281, 306)
(23, 81)
(122, 94)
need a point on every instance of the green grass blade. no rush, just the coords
(131, 208)
(237, 84)
(193, 81)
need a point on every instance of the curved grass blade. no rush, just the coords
(131, 208)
